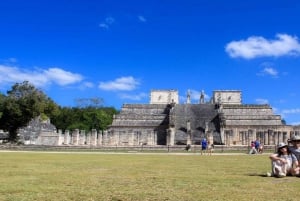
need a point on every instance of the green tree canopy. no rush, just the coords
(87, 118)
(22, 103)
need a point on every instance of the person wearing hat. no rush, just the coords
(295, 148)
(284, 162)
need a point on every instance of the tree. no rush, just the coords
(87, 118)
(2, 99)
(23, 103)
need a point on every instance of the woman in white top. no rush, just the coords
(284, 162)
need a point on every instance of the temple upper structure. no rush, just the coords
(223, 119)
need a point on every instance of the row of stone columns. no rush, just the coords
(82, 138)
(244, 137)
(132, 138)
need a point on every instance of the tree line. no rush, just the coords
(24, 101)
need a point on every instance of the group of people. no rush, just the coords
(286, 162)
(206, 147)
(256, 147)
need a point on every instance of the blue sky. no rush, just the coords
(121, 50)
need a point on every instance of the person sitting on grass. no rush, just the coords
(284, 163)
(295, 148)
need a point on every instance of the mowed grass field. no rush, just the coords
(49, 176)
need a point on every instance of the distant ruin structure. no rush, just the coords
(223, 119)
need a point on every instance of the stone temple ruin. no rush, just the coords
(222, 120)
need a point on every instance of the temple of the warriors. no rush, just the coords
(224, 119)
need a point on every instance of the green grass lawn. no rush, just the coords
(46, 176)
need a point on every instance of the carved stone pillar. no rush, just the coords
(88, 138)
(100, 138)
(67, 137)
(105, 137)
(82, 137)
(75, 136)
(93, 137)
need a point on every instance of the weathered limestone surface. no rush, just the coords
(140, 124)
(222, 120)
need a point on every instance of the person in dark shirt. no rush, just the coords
(203, 146)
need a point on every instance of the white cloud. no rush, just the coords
(107, 22)
(261, 101)
(136, 97)
(103, 25)
(120, 84)
(257, 46)
(62, 77)
(295, 123)
(268, 71)
(291, 111)
(38, 77)
(142, 18)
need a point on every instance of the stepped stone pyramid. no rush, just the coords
(222, 120)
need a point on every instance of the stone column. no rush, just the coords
(88, 138)
(100, 138)
(130, 137)
(270, 137)
(168, 136)
(172, 136)
(105, 138)
(285, 137)
(60, 137)
(275, 137)
(75, 136)
(266, 136)
(67, 137)
(188, 137)
(280, 137)
(93, 137)
(254, 133)
(155, 137)
(82, 137)
(151, 138)
(245, 136)
(189, 132)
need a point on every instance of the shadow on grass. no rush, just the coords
(258, 174)
(275, 179)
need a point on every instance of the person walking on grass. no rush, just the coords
(284, 162)
(203, 146)
(210, 148)
(252, 146)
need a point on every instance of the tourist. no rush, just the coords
(284, 162)
(210, 148)
(252, 150)
(260, 149)
(257, 145)
(203, 146)
(188, 147)
(295, 148)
